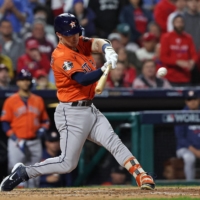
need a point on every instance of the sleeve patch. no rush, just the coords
(67, 65)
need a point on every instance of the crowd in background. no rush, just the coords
(146, 35)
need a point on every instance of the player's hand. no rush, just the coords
(13, 137)
(53, 178)
(40, 132)
(104, 67)
(111, 56)
(21, 145)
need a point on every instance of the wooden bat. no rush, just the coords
(102, 81)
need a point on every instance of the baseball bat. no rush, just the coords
(102, 81)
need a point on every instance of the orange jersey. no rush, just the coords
(24, 119)
(66, 62)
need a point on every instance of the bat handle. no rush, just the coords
(102, 81)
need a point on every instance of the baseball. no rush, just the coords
(161, 72)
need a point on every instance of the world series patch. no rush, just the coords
(67, 65)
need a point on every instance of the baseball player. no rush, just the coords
(24, 120)
(76, 118)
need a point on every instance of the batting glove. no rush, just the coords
(104, 67)
(22, 145)
(111, 56)
(40, 132)
(13, 137)
(19, 143)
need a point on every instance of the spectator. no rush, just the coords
(157, 57)
(86, 17)
(52, 149)
(136, 17)
(116, 78)
(149, 4)
(99, 60)
(107, 13)
(192, 18)
(148, 77)
(24, 120)
(7, 62)
(178, 54)
(69, 4)
(41, 13)
(149, 42)
(125, 34)
(33, 60)
(130, 71)
(42, 82)
(154, 28)
(51, 77)
(38, 33)
(180, 7)
(187, 137)
(4, 78)
(57, 6)
(14, 11)
(161, 12)
(117, 176)
(10, 46)
(115, 40)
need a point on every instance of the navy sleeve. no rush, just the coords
(5, 126)
(87, 78)
(180, 132)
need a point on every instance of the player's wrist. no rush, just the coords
(103, 68)
(10, 133)
(105, 47)
(13, 137)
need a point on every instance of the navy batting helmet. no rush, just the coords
(24, 75)
(67, 24)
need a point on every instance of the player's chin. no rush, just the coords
(74, 43)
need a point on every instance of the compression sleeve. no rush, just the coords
(87, 78)
(5, 126)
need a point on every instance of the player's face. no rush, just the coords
(193, 104)
(24, 84)
(70, 41)
(53, 146)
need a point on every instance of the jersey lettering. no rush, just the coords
(20, 111)
(86, 68)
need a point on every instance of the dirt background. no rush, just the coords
(96, 193)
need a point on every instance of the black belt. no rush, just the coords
(82, 103)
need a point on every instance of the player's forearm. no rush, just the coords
(88, 78)
(97, 45)
(7, 128)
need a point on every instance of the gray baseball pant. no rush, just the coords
(189, 162)
(75, 125)
(31, 155)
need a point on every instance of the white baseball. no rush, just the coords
(161, 72)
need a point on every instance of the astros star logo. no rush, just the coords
(72, 24)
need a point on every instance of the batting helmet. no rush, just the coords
(67, 24)
(24, 75)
